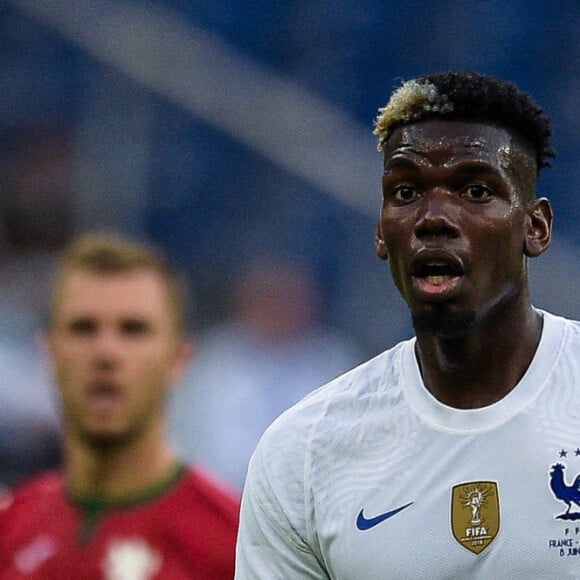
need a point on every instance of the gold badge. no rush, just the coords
(475, 514)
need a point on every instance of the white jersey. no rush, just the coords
(370, 477)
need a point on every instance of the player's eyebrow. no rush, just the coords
(477, 168)
(399, 163)
(461, 167)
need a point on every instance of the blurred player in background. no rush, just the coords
(124, 506)
(445, 456)
(272, 351)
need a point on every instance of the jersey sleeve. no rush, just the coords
(273, 540)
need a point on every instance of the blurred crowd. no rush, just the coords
(286, 292)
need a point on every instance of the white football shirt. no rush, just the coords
(370, 477)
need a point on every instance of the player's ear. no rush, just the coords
(538, 227)
(380, 246)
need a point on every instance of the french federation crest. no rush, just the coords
(567, 493)
(131, 559)
(475, 514)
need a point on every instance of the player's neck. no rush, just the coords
(118, 471)
(481, 369)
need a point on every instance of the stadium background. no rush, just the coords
(227, 130)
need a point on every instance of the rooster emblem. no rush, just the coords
(569, 494)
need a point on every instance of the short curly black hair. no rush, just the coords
(468, 96)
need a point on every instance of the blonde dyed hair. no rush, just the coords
(412, 101)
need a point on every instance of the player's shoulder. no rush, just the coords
(561, 328)
(557, 319)
(363, 381)
(39, 486)
(333, 405)
(573, 324)
(574, 330)
(210, 494)
(571, 343)
(34, 491)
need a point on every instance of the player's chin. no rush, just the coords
(445, 323)
(106, 438)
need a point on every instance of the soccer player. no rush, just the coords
(445, 456)
(123, 506)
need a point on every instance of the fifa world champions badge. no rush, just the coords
(475, 514)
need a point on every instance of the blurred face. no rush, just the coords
(115, 353)
(456, 199)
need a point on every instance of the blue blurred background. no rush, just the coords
(229, 131)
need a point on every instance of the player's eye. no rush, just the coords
(404, 193)
(477, 192)
(82, 326)
(135, 327)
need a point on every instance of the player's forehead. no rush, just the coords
(452, 137)
(450, 142)
(83, 292)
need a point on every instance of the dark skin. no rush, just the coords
(459, 220)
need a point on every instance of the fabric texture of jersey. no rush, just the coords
(185, 531)
(371, 477)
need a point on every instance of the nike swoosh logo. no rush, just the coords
(363, 523)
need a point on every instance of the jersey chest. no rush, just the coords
(446, 505)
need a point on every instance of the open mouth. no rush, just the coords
(104, 397)
(436, 273)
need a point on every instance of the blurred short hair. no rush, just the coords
(108, 254)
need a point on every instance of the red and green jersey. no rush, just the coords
(183, 528)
